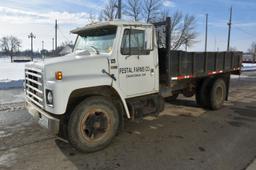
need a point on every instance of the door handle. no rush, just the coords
(152, 72)
(128, 56)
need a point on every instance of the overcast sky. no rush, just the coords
(19, 18)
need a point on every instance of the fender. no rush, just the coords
(116, 88)
(64, 88)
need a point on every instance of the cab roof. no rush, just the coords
(108, 24)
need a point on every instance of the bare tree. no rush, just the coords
(92, 18)
(100, 16)
(182, 29)
(252, 50)
(109, 12)
(151, 9)
(233, 48)
(5, 44)
(133, 9)
(10, 45)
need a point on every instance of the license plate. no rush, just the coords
(44, 121)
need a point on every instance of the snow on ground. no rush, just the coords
(249, 67)
(11, 74)
(11, 71)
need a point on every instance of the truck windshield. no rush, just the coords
(98, 40)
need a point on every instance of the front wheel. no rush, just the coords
(93, 124)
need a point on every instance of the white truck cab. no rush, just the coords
(117, 60)
(117, 71)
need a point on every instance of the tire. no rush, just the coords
(172, 98)
(218, 94)
(202, 93)
(93, 124)
(161, 104)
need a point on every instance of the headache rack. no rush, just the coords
(34, 86)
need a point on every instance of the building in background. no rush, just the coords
(21, 59)
(249, 58)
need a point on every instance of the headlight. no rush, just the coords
(49, 97)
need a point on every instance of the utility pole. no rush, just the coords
(215, 43)
(254, 53)
(206, 33)
(31, 36)
(42, 45)
(186, 45)
(52, 44)
(119, 7)
(229, 28)
(56, 36)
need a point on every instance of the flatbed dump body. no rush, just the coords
(180, 65)
(177, 66)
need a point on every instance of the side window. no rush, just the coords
(133, 42)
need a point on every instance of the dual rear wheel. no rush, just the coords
(212, 93)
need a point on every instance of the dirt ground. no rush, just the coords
(184, 136)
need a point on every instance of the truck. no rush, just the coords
(121, 70)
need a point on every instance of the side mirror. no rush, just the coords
(145, 45)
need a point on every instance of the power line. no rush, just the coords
(67, 39)
(244, 31)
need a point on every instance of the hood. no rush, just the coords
(74, 64)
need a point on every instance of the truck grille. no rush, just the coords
(34, 86)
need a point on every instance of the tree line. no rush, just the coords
(10, 45)
(183, 26)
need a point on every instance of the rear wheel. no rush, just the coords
(161, 104)
(93, 124)
(202, 93)
(218, 94)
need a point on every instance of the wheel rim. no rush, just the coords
(219, 94)
(95, 125)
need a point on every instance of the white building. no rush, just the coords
(249, 58)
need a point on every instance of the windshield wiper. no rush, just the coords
(95, 49)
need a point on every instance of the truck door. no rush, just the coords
(136, 63)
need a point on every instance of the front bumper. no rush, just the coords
(43, 118)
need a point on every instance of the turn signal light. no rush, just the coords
(58, 75)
